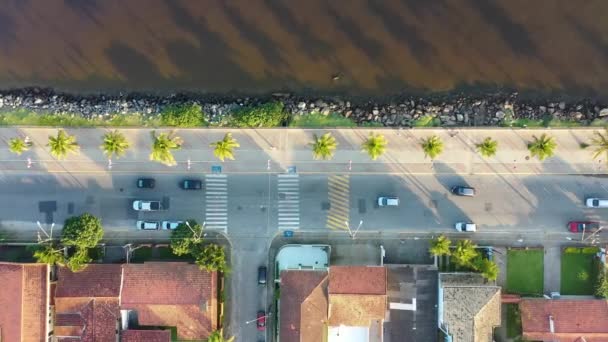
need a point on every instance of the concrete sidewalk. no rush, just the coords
(274, 150)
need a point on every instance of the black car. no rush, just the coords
(463, 191)
(191, 184)
(262, 275)
(146, 183)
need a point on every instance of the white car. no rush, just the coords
(465, 227)
(170, 225)
(596, 203)
(147, 225)
(384, 201)
(146, 205)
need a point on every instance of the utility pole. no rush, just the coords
(350, 232)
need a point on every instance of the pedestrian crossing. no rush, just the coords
(288, 189)
(216, 201)
(339, 201)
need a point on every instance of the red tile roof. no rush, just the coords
(368, 280)
(145, 336)
(172, 294)
(96, 280)
(23, 306)
(99, 318)
(304, 305)
(572, 319)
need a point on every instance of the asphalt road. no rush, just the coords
(250, 209)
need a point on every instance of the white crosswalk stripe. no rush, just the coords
(288, 186)
(216, 201)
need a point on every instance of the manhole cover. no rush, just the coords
(527, 157)
(325, 206)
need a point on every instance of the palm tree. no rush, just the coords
(464, 253)
(440, 246)
(216, 336)
(542, 147)
(224, 148)
(487, 147)
(375, 145)
(62, 144)
(114, 143)
(600, 143)
(432, 146)
(323, 147)
(163, 145)
(488, 269)
(19, 145)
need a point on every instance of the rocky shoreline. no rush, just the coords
(451, 110)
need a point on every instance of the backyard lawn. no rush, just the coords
(525, 272)
(579, 272)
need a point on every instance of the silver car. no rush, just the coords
(170, 225)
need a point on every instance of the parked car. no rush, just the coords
(147, 225)
(466, 227)
(191, 184)
(140, 205)
(262, 275)
(261, 320)
(388, 201)
(596, 202)
(170, 225)
(583, 226)
(146, 183)
(463, 191)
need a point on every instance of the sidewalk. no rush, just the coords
(274, 150)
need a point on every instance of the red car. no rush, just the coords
(261, 321)
(583, 226)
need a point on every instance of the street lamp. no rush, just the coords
(350, 232)
(197, 237)
(257, 319)
(48, 236)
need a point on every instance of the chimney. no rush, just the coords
(551, 326)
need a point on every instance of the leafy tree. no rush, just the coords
(217, 336)
(114, 144)
(542, 147)
(488, 269)
(49, 254)
(601, 287)
(79, 260)
(186, 240)
(225, 148)
(212, 258)
(600, 144)
(185, 115)
(464, 253)
(163, 146)
(18, 145)
(375, 145)
(62, 144)
(323, 147)
(440, 246)
(83, 232)
(432, 146)
(266, 115)
(487, 147)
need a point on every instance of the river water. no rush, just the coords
(256, 46)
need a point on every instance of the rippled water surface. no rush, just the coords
(374, 47)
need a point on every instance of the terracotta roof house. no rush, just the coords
(171, 294)
(24, 302)
(564, 320)
(468, 308)
(145, 336)
(86, 303)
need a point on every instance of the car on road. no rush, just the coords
(191, 184)
(140, 205)
(463, 191)
(261, 320)
(466, 227)
(262, 275)
(388, 201)
(583, 226)
(146, 183)
(147, 225)
(596, 202)
(170, 225)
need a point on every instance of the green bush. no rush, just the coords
(572, 250)
(316, 119)
(267, 115)
(590, 250)
(601, 286)
(186, 115)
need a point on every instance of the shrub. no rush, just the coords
(267, 115)
(601, 287)
(185, 115)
